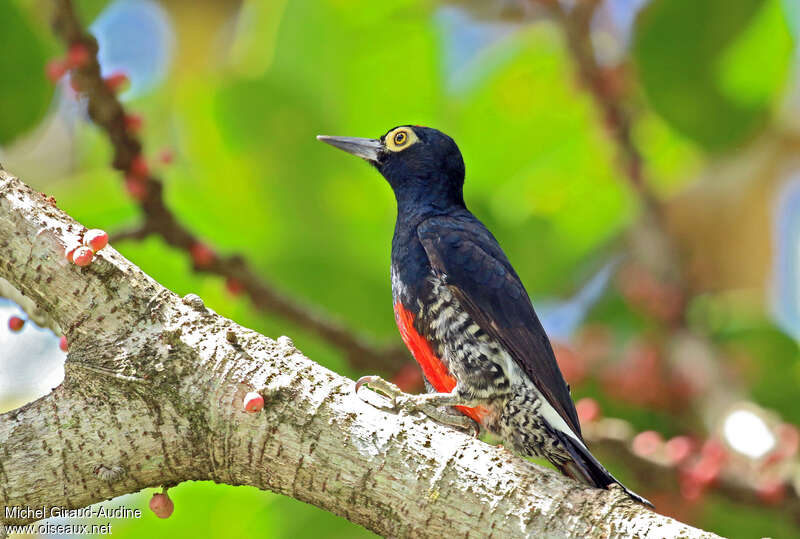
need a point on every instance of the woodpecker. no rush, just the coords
(464, 314)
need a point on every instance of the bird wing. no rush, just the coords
(475, 269)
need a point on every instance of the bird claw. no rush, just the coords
(405, 403)
(401, 402)
(379, 385)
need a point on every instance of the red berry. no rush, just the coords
(588, 410)
(116, 81)
(77, 55)
(136, 187)
(96, 239)
(161, 505)
(646, 443)
(69, 252)
(55, 69)
(202, 255)
(234, 286)
(15, 323)
(139, 167)
(253, 402)
(678, 449)
(133, 122)
(82, 256)
(62, 343)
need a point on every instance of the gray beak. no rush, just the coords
(366, 148)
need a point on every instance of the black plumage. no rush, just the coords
(464, 313)
(495, 298)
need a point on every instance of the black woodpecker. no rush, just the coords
(464, 314)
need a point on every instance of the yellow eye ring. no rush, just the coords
(400, 139)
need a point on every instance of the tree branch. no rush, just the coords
(154, 386)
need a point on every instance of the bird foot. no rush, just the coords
(380, 385)
(403, 402)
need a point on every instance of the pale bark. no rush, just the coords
(153, 390)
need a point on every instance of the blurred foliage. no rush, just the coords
(25, 92)
(713, 68)
(768, 358)
(253, 82)
(771, 364)
(738, 520)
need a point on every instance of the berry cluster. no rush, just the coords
(698, 463)
(644, 376)
(81, 254)
(78, 56)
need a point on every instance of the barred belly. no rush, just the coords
(483, 370)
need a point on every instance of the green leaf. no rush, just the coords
(767, 44)
(25, 92)
(713, 68)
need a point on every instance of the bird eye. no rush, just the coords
(400, 139)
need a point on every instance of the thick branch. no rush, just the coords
(153, 392)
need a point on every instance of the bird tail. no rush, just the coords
(586, 469)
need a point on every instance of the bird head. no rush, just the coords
(423, 165)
